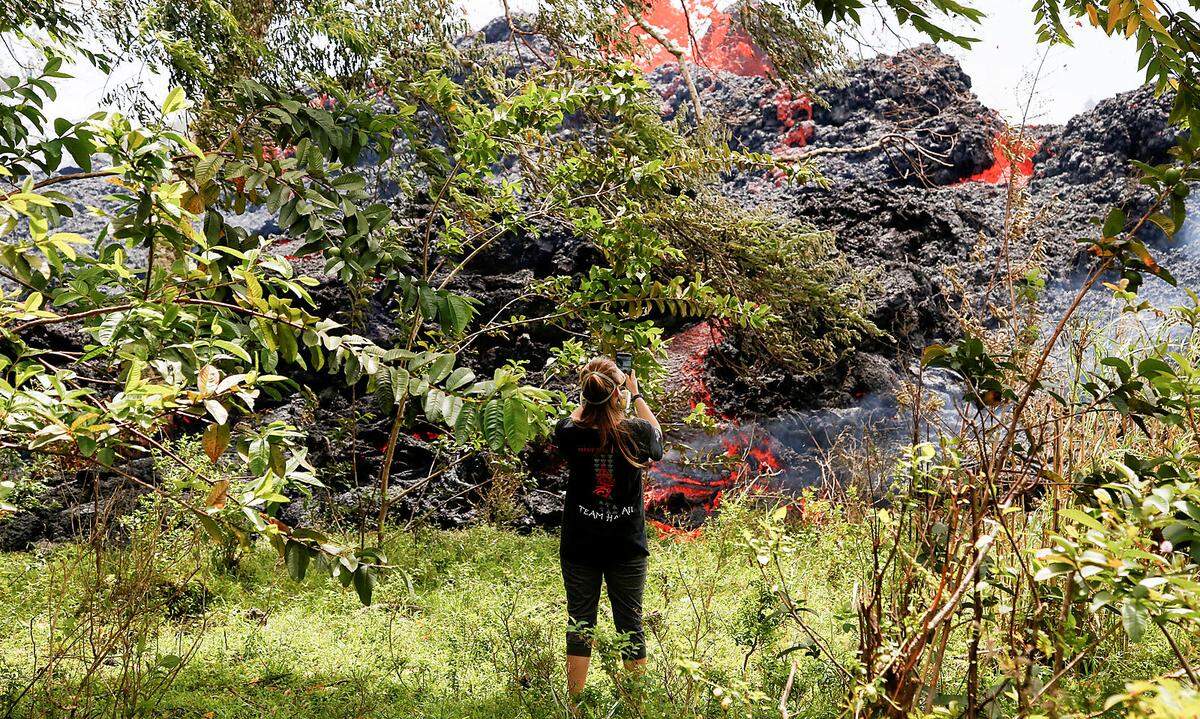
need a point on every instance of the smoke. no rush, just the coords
(786, 454)
(1103, 310)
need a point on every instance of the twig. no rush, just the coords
(891, 138)
(1183, 662)
(514, 32)
(787, 691)
(76, 316)
(673, 47)
(66, 178)
(1071, 664)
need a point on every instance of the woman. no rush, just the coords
(604, 527)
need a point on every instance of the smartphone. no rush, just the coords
(624, 362)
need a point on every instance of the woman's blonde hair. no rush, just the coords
(603, 408)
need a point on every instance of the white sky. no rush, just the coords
(1073, 79)
(1002, 66)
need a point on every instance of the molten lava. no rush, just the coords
(1012, 154)
(707, 35)
(684, 492)
(711, 38)
(727, 46)
(796, 116)
(679, 534)
(690, 349)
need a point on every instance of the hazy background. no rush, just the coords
(1003, 66)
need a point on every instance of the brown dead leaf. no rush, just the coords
(218, 495)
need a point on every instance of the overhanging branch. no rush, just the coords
(888, 140)
(673, 47)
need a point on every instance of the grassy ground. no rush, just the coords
(469, 625)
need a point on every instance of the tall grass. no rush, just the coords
(468, 624)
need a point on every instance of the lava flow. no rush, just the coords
(712, 39)
(706, 35)
(727, 46)
(1011, 154)
(683, 490)
(796, 116)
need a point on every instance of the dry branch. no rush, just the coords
(673, 47)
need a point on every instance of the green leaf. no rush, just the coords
(1134, 617)
(932, 354)
(234, 349)
(384, 392)
(288, 346)
(364, 584)
(428, 299)
(306, 533)
(80, 151)
(441, 367)
(455, 312)
(296, 556)
(1166, 224)
(174, 101)
(459, 378)
(465, 423)
(452, 407)
(1114, 223)
(516, 424)
(1083, 518)
(400, 380)
(210, 525)
(278, 462)
(433, 404)
(206, 169)
(493, 424)
(349, 182)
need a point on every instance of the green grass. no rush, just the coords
(469, 624)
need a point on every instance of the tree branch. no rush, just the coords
(65, 178)
(75, 316)
(891, 138)
(673, 47)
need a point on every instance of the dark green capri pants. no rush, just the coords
(626, 582)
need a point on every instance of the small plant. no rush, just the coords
(105, 640)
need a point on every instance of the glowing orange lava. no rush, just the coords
(693, 346)
(710, 37)
(728, 47)
(677, 533)
(1007, 149)
(796, 116)
(674, 488)
(707, 35)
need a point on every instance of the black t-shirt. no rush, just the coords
(604, 517)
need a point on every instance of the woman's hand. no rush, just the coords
(641, 409)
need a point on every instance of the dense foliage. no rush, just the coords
(194, 322)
